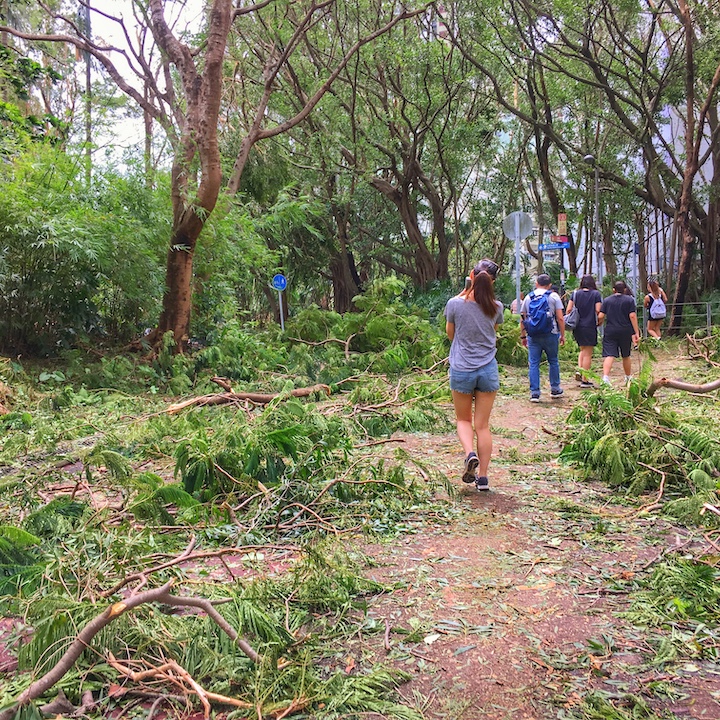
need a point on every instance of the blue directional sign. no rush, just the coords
(279, 282)
(554, 246)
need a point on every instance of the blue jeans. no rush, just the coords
(549, 343)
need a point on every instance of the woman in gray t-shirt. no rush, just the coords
(472, 317)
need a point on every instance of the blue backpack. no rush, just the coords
(539, 320)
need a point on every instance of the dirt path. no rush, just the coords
(510, 609)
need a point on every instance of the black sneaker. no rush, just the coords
(557, 393)
(587, 384)
(482, 483)
(534, 398)
(471, 465)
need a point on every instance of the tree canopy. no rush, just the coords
(343, 142)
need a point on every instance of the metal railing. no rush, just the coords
(695, 315)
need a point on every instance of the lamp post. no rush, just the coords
(590, 160)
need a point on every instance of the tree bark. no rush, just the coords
(425, 266)
(687, 238)
(682, 385)
(344, 281)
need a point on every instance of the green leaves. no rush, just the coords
(631, 443)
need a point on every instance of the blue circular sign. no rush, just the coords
(279, 282)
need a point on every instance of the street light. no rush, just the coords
(590, 160)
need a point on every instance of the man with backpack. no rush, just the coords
(543, 328)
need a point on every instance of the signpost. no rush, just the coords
(517, 226)
(279, 282)
(562, 245)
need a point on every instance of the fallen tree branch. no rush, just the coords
(682, 385)
(656, 502)
(224, 383)
(228, 398)
(702, 349)
(84, 638)
(711, 508)
(188, 556)
(174, 674)
(142, 576)
(177, 675)
(344, 343)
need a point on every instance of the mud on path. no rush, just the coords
(510, 609)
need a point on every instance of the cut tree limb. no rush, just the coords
(682, 385)
(175, 674)
(228, 398)
(701, 348)
(82, 641)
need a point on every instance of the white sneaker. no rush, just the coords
(628, 379)
(606, 380)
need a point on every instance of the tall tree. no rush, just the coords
(177, 78)
(650, 71)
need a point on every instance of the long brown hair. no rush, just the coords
(654, 288)
(482, 289)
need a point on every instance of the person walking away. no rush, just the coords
(655, 309)
(514, 307)
(587, 300)
(619, 314)
(472, 318)
(543, 326)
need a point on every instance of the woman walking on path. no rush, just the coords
(587, 300)
(472, 318)
(619, 313)
(655, 308)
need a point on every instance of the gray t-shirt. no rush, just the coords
(554, 303)
(475, 340)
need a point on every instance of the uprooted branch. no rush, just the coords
(701, 348)
(228, 398)
(174, 674)
(344, 343)
(85, 636)
(682, 385)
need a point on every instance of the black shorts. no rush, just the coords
(585, 336)
(616, 345)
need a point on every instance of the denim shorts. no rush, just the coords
(484, 379)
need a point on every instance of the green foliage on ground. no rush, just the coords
(100, 483)
(637, 444)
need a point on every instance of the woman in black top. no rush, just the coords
(587, 300)
(619, 313)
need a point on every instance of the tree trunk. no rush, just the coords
(687, 237)
(345, 282)
(426, 268)
(711, 256)
(177, 300)
(642, 261)
(438, 212)
(608, 254)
